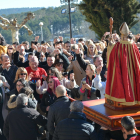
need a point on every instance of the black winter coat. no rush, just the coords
(21, 124)
(74, 127)
(58, 111)
(47, 100)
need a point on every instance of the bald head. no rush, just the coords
(60, 91)
(33, 59)
(33, 63)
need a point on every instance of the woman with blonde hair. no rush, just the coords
(91, 52)
(22, 73)
(100, 47)
(87, 88)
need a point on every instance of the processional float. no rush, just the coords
(122, 97)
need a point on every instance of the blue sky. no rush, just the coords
(28, 3)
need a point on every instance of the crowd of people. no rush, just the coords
(37, 79)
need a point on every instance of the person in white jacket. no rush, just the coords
(98, 84)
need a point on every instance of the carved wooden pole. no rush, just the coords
(111, 25)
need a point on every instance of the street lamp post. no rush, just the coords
(71, 10)
(70, 18)
(41, 24)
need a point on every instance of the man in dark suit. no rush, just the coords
(59, 110)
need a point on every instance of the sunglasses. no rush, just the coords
(23, 74)
(10, 48)
(49, 82)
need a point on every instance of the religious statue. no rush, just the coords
(15, 27)
(123, 76)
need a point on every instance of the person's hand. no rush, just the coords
(57, 51)
(72, 76)
(47, 109)
(30, 76)
(72, 41)
(70, 58)
(83, 86)
(103, 128)
(107, 33)
(39, 47)
(87, 86)
(34, 47)
(44, 77)
(61, 38)
(38, 83)
(45, 47)
(18, 48)
(6, 65)
(36, 38)
(65, 51)
(98, 70)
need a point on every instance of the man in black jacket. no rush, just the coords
(75, 127)
(21, 123)
(59, 110)
(8, 70)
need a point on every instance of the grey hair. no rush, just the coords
(128, 123)
(76, 106)
(22, 99)
(60, 90)
(97, 56)
(5, 55)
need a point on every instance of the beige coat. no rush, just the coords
(79, 73)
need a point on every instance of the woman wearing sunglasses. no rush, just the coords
(49, 97)
(10, 52)
(63, 81)
(22, 73)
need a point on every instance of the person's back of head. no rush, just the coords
(128, 123)
(26, 90)
(60, 91)
(76, 106)
(22, 99)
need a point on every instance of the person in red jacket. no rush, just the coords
(34, 72)
(128, 128)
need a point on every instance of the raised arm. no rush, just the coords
(29, 16)
(29, 31)
(4, 20)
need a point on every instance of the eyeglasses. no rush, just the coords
(50, 82)
(19, 85)
(23, 74)
(67, 46)
(10, 48)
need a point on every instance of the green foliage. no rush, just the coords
(98, 12)
(49, 16)
(18, 10)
